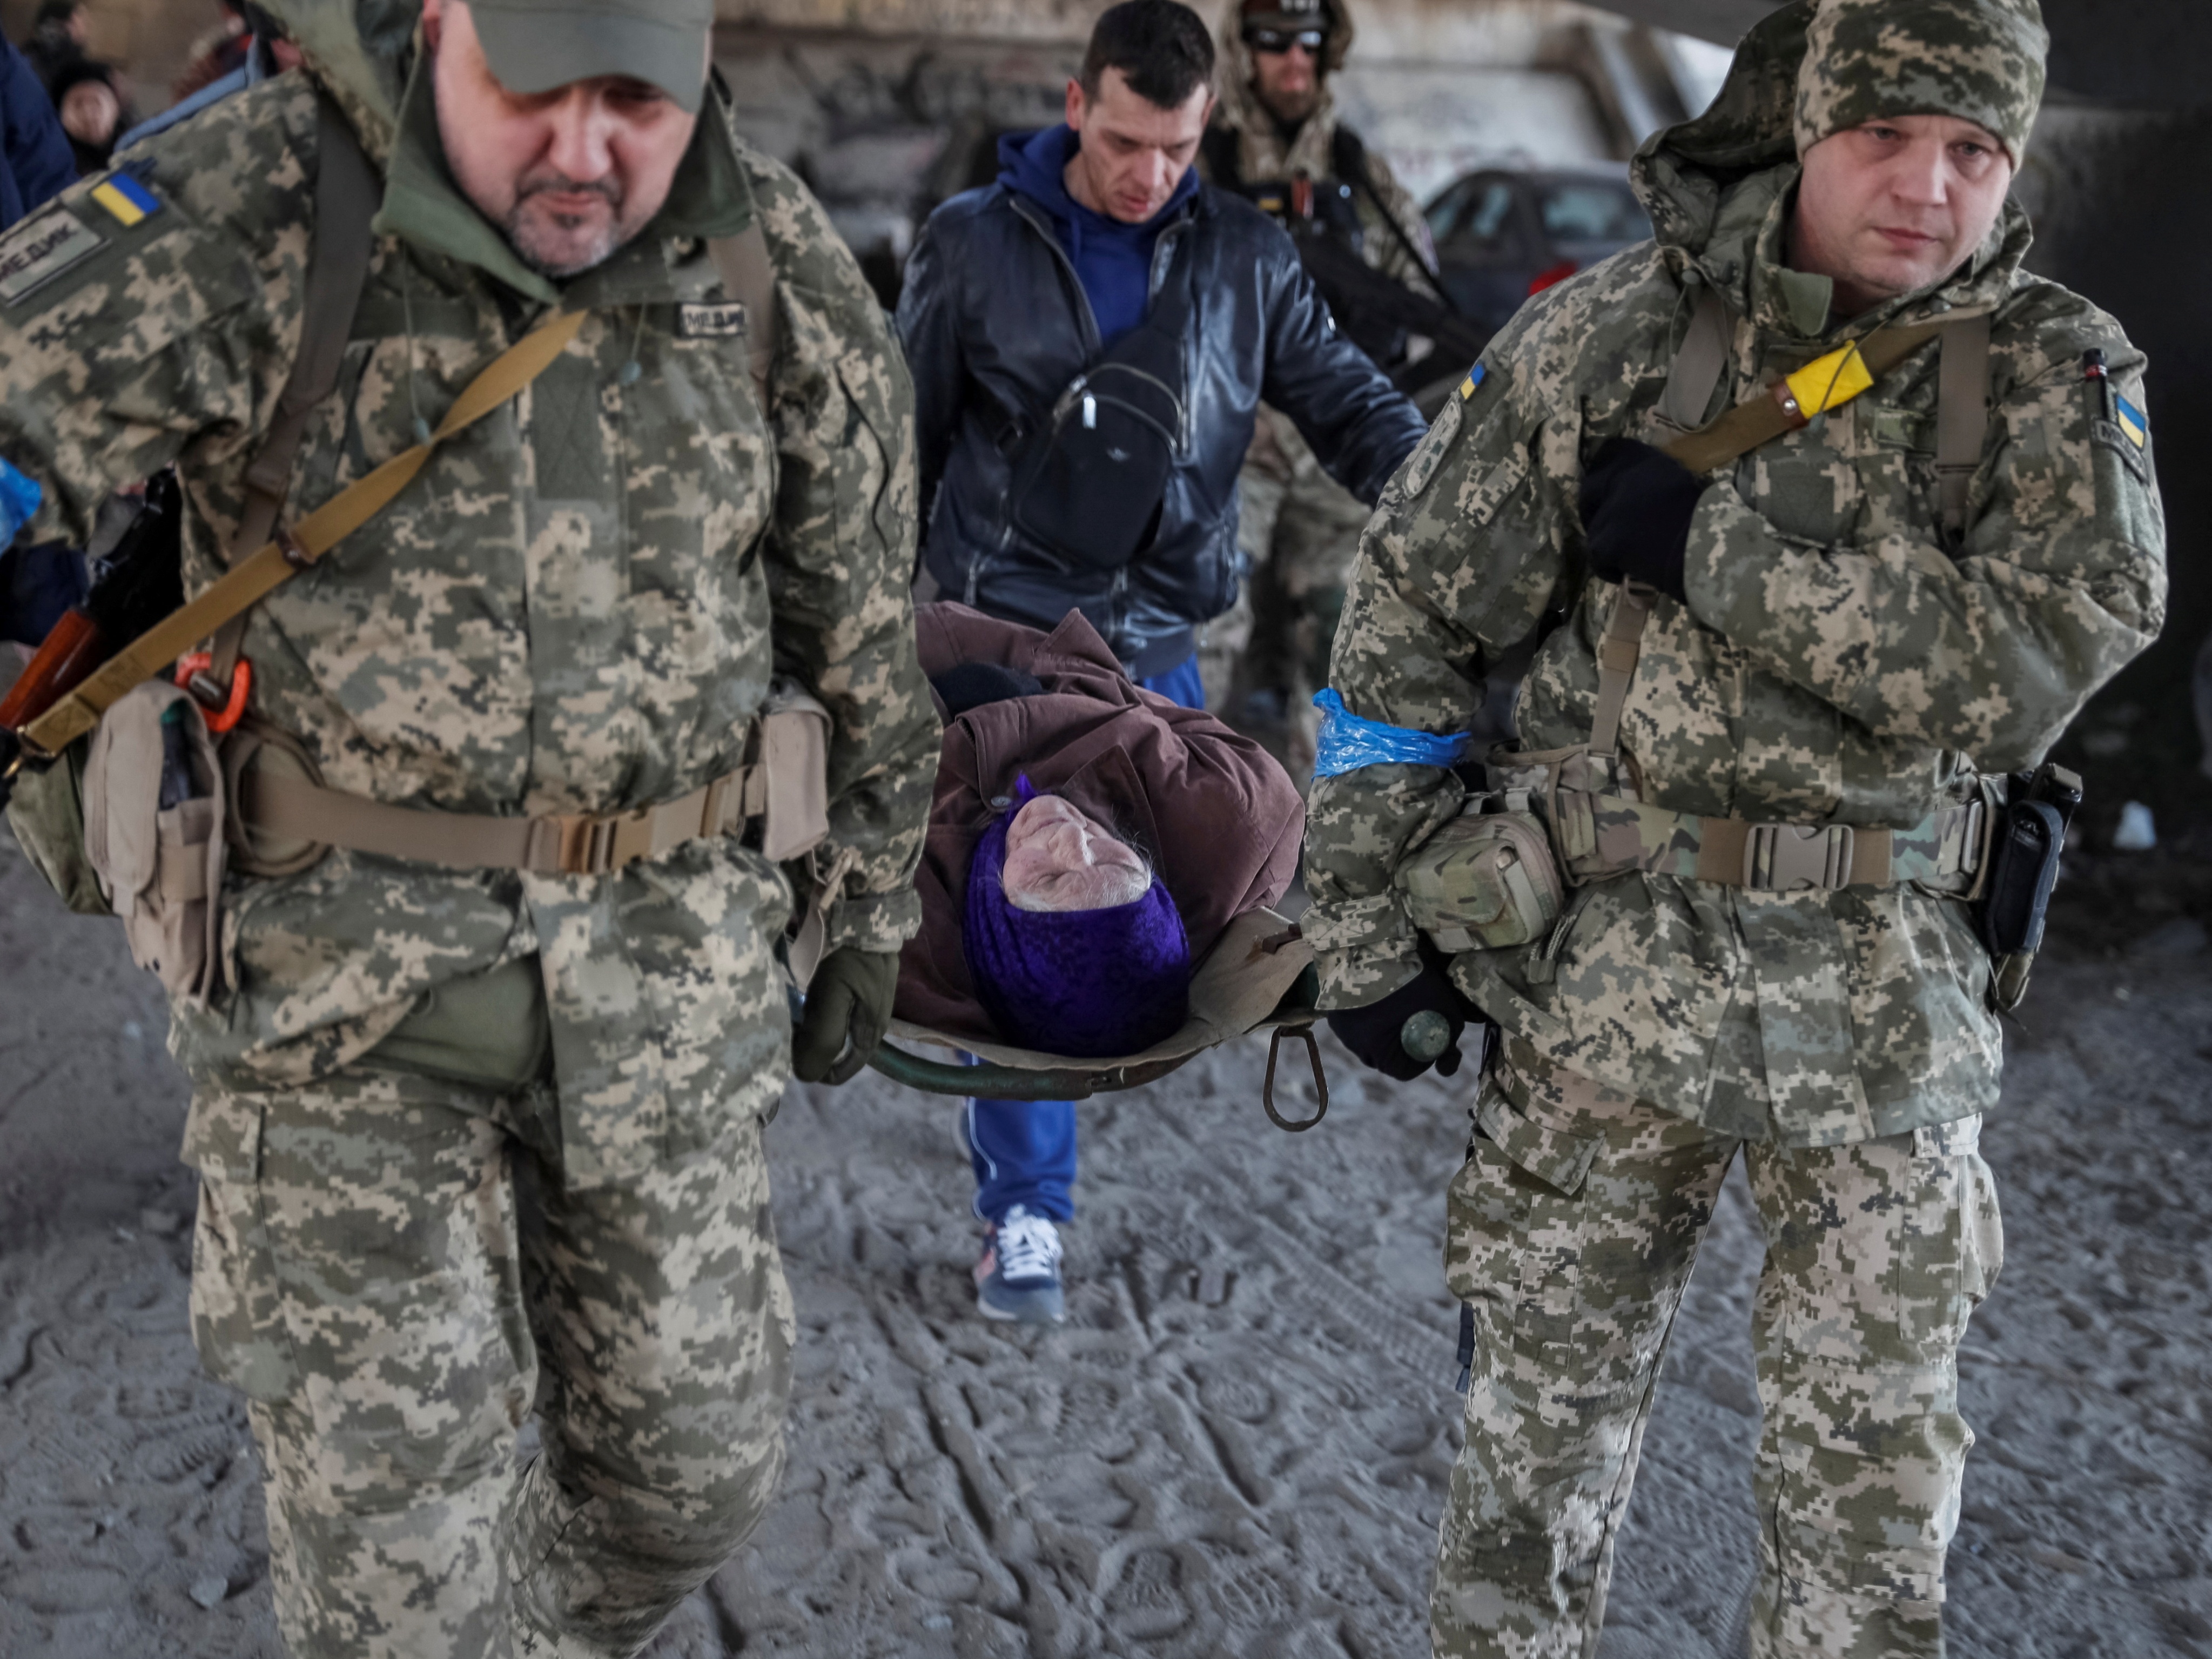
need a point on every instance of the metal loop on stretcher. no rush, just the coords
(1320, 1080)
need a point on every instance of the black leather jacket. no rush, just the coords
(994, 319)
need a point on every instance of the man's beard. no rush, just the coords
(543, 240)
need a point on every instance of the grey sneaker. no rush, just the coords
(1019, 1277)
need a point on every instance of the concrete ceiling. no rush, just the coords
(2154, 54)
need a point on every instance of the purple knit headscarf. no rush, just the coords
(1088, 984)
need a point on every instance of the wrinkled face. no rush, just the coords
(1134, 153)
(1288, 81)
(1896, 205)
(569, 175)
(89, 112)
(1059, 859)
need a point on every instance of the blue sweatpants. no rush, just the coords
(1023, 1151)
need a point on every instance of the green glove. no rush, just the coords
(850, 999)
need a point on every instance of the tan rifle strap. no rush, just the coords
(749, 277)
(346, 195)
(276, 563)
(1745, 426)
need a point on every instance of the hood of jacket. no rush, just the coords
(1266, 153)
(361, 52)
(1719, 190)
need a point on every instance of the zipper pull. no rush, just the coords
(1090, 413)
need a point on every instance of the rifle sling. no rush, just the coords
(278, 560)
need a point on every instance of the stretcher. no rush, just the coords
(1259, 977)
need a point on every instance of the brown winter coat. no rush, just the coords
(1220, 819)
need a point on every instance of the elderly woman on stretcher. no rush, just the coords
(1096, 893)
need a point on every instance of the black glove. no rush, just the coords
(1373, 1033)
(851, 997)
(1637, 502)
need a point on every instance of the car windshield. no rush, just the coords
(1591, 211)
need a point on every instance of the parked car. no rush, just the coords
(1502, 235)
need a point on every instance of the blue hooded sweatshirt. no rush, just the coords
(1113, 261)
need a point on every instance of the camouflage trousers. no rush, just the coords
(393, 1274)
(1574, 1226)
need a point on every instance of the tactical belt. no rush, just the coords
(1600, 834)
(579, 844)
(1943, 850)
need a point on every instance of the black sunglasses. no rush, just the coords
(1261, 39)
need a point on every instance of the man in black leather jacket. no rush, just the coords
(1004, 301)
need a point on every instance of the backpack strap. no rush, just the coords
(1962, 419)
(1222, 148)
(347, 195)
(1696, 375)
(749, 277)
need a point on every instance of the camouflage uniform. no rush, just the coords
(577, 609)
(1835, 662)
(1298, 528)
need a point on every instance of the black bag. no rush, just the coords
(1090, 479)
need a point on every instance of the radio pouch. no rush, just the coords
(154, 814)
(2024, 856)
(1486, 881)
(1090, 479)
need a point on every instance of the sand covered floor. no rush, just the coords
(1239, 1443)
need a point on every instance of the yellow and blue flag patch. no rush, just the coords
(127, 201)
(1475, 377)
(2131, 421)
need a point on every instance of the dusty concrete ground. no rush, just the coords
(1238, 1444)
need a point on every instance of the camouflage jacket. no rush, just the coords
(577, 607)
(1835, 661)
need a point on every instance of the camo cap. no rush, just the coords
(1979, 60)
(535, 45)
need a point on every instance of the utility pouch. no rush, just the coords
(1485, 881)
(251, 750)
(2025, 850)
(794, 760)
(154, 817)
(46, 813)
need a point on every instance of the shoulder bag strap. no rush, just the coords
(749, 277)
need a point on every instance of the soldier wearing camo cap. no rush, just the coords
(1758, 740)
(480, 1130)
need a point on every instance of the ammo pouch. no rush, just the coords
(1089, 481)
(1485, 880)
(162, 866)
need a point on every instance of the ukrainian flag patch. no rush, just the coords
(2131, 421)
(1475, 377)
(127, 201)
